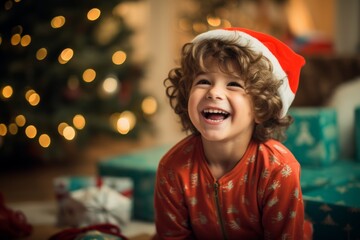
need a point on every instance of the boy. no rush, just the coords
(231, 178)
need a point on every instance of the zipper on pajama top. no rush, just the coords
(218, 209)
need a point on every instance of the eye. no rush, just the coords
(235, 84)
(202, 82)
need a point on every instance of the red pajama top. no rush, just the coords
(260, 198)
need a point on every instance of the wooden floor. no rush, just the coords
(35, 183)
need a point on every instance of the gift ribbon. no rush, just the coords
(72, 233)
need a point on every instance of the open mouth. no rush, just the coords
(215, 115)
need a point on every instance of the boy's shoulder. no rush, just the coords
(274, 150)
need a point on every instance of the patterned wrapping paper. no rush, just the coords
(87, 200)
(334, 210)
(357, 134)
(313, 137)
(342, 171)
(141, 167)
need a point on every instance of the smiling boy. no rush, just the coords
(232, 178)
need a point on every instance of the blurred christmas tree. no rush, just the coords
(66, 76)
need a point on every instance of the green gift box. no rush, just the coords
(357, 134)
(334, 211)
(141, 167)
(313, 136)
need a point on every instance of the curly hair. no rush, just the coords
(254, 68)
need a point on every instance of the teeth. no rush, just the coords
(215, 111)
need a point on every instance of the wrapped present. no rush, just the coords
(84, 200)
(342, 171)
(313, 137)
(335, 210)
(141, 167)
(357, 134)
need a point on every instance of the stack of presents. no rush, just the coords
(330, 183)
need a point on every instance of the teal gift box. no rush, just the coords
(334, 211)
(342, 171)
(313, 136)
(141, 167)
(357, 134)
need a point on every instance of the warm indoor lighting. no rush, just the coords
(89, 75)
(123, 125)
(61, 128)
(25, 40)
(149, 105)
(3, 129)
(34, 99)
(214, 21)
(119, 57)
(58, 22)
(41, 54)
(69, 133)
(15, 39)
(65, 55)
(93, 14)
(13, 128)
(44, 140)
(79, 121)
(30, 131)
(7, 91)
(20, 120)
(110, 85)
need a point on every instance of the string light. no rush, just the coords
(13, 128)
(25, 40)
(44, 140)
(61, 128)
(93, 14)
(89, 75)
(58, 22)
(69, 133)
(41, 54)
(79, 121)
(31, 131)
(119, 57)
(149, 105)
(213, 21)
(20, 120)
(3, 129)
(110, 85)
(32, 97)
(65, 55)
(7, 91)
(15, 39)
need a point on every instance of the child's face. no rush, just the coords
(219, 107)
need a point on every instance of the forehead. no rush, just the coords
(228, 66)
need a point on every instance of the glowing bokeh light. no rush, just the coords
(44, 140)
(79, 121)
(7, 91)
(119, 57)
(31, 131)
(20, 120)
(89, 75)
(149, 105)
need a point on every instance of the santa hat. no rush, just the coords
(286, 63)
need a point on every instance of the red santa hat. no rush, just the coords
(286, 63)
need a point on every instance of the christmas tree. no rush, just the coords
(67, 75)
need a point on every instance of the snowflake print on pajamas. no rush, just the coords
(194, 180)
(275, 185)
(286, 171)
(279, 217)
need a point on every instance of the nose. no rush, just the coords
(215, 93)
